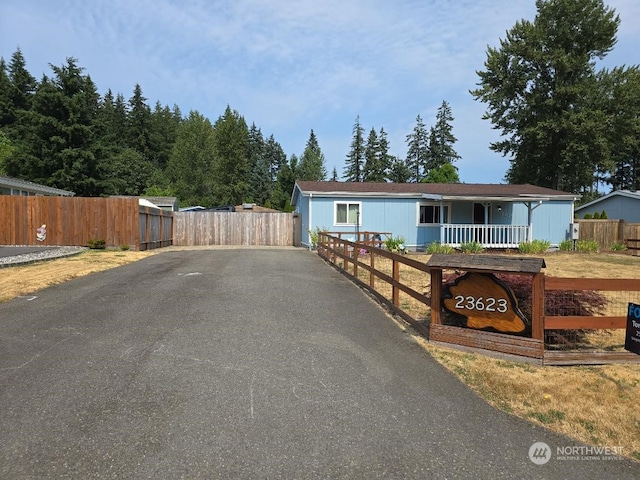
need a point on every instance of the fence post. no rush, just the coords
(436, 295)
(395, 291)
(372, 277)
(537, 307)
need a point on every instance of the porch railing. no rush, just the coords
(489, 236)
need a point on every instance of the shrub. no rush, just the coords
(587, 246)
(471, 247)
(437, 247)
(124, 247)
(97, 243)
(314, 234)
(596, 215)
(395, 244)
(603, 215)
(566, 246)
(618, 247)
(587, 216)
(535, 246)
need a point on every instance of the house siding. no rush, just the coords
(398, 215)
(617, 208)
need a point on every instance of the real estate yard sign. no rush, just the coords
(632, 340)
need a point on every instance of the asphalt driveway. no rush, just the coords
(242, 364)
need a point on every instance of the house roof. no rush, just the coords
(10, 182)
(433, 191)
(252, 207)
(617, 193)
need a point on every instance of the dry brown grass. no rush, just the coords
(27, 279)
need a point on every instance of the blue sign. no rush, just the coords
(632, 339)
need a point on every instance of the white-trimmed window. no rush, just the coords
(429, 213)
(347, 213)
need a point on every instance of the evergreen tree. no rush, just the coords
(621, 87)
(445, 173)
(441, 140)
(418, 151)
(6, 150)
(260, 180)
(377, 158)
(7, 114)
(399, 171)
(281, 195)
(139, 125)
(355, 159)
(334, 175)
(540, 87)
(311, 165)
(190, 169)
(275, 156)
(163, 130)
(231, 150)
(371, 150)
(56, 150)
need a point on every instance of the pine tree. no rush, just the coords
(191, 164)
(541, 89)
(231, 149)
(139, 124)
(353, 170)
(311, 165)
(275, 156)
(441, 139)
(399, 172)
(418, 151)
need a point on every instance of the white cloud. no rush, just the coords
(293, 66)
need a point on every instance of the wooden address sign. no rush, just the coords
(487, 304)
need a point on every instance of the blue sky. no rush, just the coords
(292, 66)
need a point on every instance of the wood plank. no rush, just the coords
(526, 347)
(588, 358)
(500, 263)
(605, 284)
(583, 323)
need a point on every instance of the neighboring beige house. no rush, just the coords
(15, 186)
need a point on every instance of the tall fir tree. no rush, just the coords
(354, 163)
(441, 140)
(312, 165)
(540, 87)
(418, 150)
(231, 148)
(190, 168)
(399, 171)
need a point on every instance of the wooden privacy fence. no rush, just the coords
(76, 220)
(236, 228)
(608, 232)
(557, 335)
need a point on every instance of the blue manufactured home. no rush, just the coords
(619, 205)
(495, 215)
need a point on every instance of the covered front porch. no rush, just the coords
(489, 236)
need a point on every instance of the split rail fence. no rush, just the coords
(413, 290)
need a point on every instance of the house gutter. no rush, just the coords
(310, 218)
